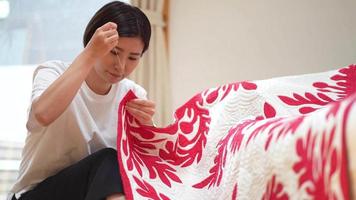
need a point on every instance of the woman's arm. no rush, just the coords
(57, 97)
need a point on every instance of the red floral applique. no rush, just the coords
(216, 172)
(345, 85)
(268, 110)
(274, 191)
(146, 190)
(278, 127)
(188, 116)
(140, 143)
(224, 90)
(235, 192)
(312, 167)
(317, 168)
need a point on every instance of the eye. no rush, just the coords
(133, 58)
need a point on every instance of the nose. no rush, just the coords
(120, 64)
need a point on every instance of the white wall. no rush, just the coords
(213, 42)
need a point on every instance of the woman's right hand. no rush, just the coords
(103, 40)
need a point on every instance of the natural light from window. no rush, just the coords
(30, 34)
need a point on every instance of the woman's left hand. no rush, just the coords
(141, 109)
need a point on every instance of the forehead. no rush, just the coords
(130, 44)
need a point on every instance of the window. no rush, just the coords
(32, 32)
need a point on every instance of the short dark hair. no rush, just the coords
(130, 20)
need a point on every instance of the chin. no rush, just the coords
(113, 81)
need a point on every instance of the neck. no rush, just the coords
(96, 84)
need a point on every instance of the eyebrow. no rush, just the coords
(132, 53)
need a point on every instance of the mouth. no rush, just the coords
(116, 76)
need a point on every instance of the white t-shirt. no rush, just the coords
(86, 126)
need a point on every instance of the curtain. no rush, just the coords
(153, 72)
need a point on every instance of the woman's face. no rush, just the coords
(120, 61)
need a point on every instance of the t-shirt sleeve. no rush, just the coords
(44, 75)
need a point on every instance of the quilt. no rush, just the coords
(280, 138)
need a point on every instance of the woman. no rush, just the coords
(69, 151)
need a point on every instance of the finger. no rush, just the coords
(108, 26)
(110, 33)
(139, 115)
(113, 39)
(148, 110)
(148, 107)
(141, 102)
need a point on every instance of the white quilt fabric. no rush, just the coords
(282, 138)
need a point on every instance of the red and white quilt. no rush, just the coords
(281, 138)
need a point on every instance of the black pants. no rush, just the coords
(93, 178)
